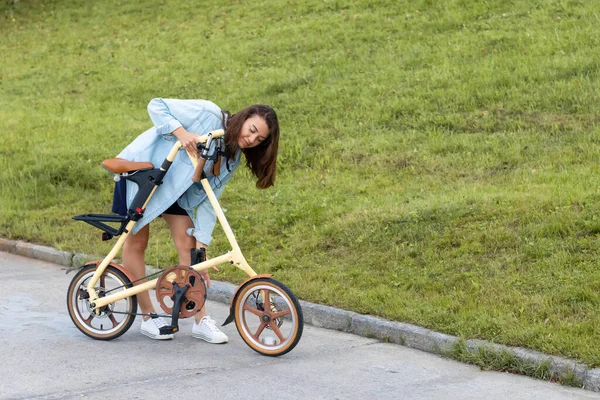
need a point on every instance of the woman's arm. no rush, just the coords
(174, 117)
(170, 114)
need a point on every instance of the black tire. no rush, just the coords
(251, 316)
(80, 311)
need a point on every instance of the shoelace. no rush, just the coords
(159, 322)
(212, 325)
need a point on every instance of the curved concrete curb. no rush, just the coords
(363, 325)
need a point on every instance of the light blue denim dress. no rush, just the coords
(196, 116)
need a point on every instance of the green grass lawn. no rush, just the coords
(439, 160)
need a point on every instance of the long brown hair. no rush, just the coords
(261, 159)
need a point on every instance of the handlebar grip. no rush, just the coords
(199, 169)
(216, 170)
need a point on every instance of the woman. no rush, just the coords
(182, 203)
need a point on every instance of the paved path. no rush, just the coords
(43, 356)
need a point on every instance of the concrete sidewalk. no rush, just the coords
(45, 357)
(556, 368)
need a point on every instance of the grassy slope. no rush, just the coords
(439, 161)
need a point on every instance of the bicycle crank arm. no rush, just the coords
(179, 296)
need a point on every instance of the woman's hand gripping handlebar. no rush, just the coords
(203, 145)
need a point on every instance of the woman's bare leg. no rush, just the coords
(178, 225)
(133, 260)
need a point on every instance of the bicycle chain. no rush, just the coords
(152, 315)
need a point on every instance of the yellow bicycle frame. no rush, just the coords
(234, 256)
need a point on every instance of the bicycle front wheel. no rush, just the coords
(268, 317)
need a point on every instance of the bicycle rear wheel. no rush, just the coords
(115, 318)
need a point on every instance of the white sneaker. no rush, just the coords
(207, 330)
(151, 328)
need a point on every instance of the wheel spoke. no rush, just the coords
(277, 331)
(280, 314)
(266, 299)
(89, 319)
(113, 320)
(253, 310)
(103, 281)
(259, 330)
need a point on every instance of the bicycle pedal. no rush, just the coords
(168, 330)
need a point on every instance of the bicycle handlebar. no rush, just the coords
(217, 133)
(201, 161)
